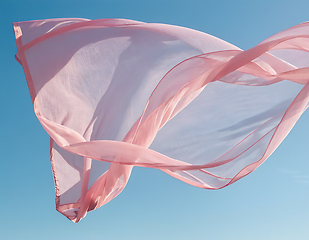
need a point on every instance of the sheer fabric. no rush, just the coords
(114, 93)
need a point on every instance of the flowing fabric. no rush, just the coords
(114, 93)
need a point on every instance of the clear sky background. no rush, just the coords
(271, 203)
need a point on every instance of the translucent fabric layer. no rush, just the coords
(114, 93)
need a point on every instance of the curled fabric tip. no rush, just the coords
(116, 93)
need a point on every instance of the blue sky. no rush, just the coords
(271, 203)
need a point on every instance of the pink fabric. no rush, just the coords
(114, 93)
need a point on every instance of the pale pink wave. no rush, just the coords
(116, 93)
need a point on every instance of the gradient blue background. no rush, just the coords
(271, 203)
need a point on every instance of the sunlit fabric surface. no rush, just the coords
(114, 93)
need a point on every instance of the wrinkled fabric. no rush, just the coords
(115, 93)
